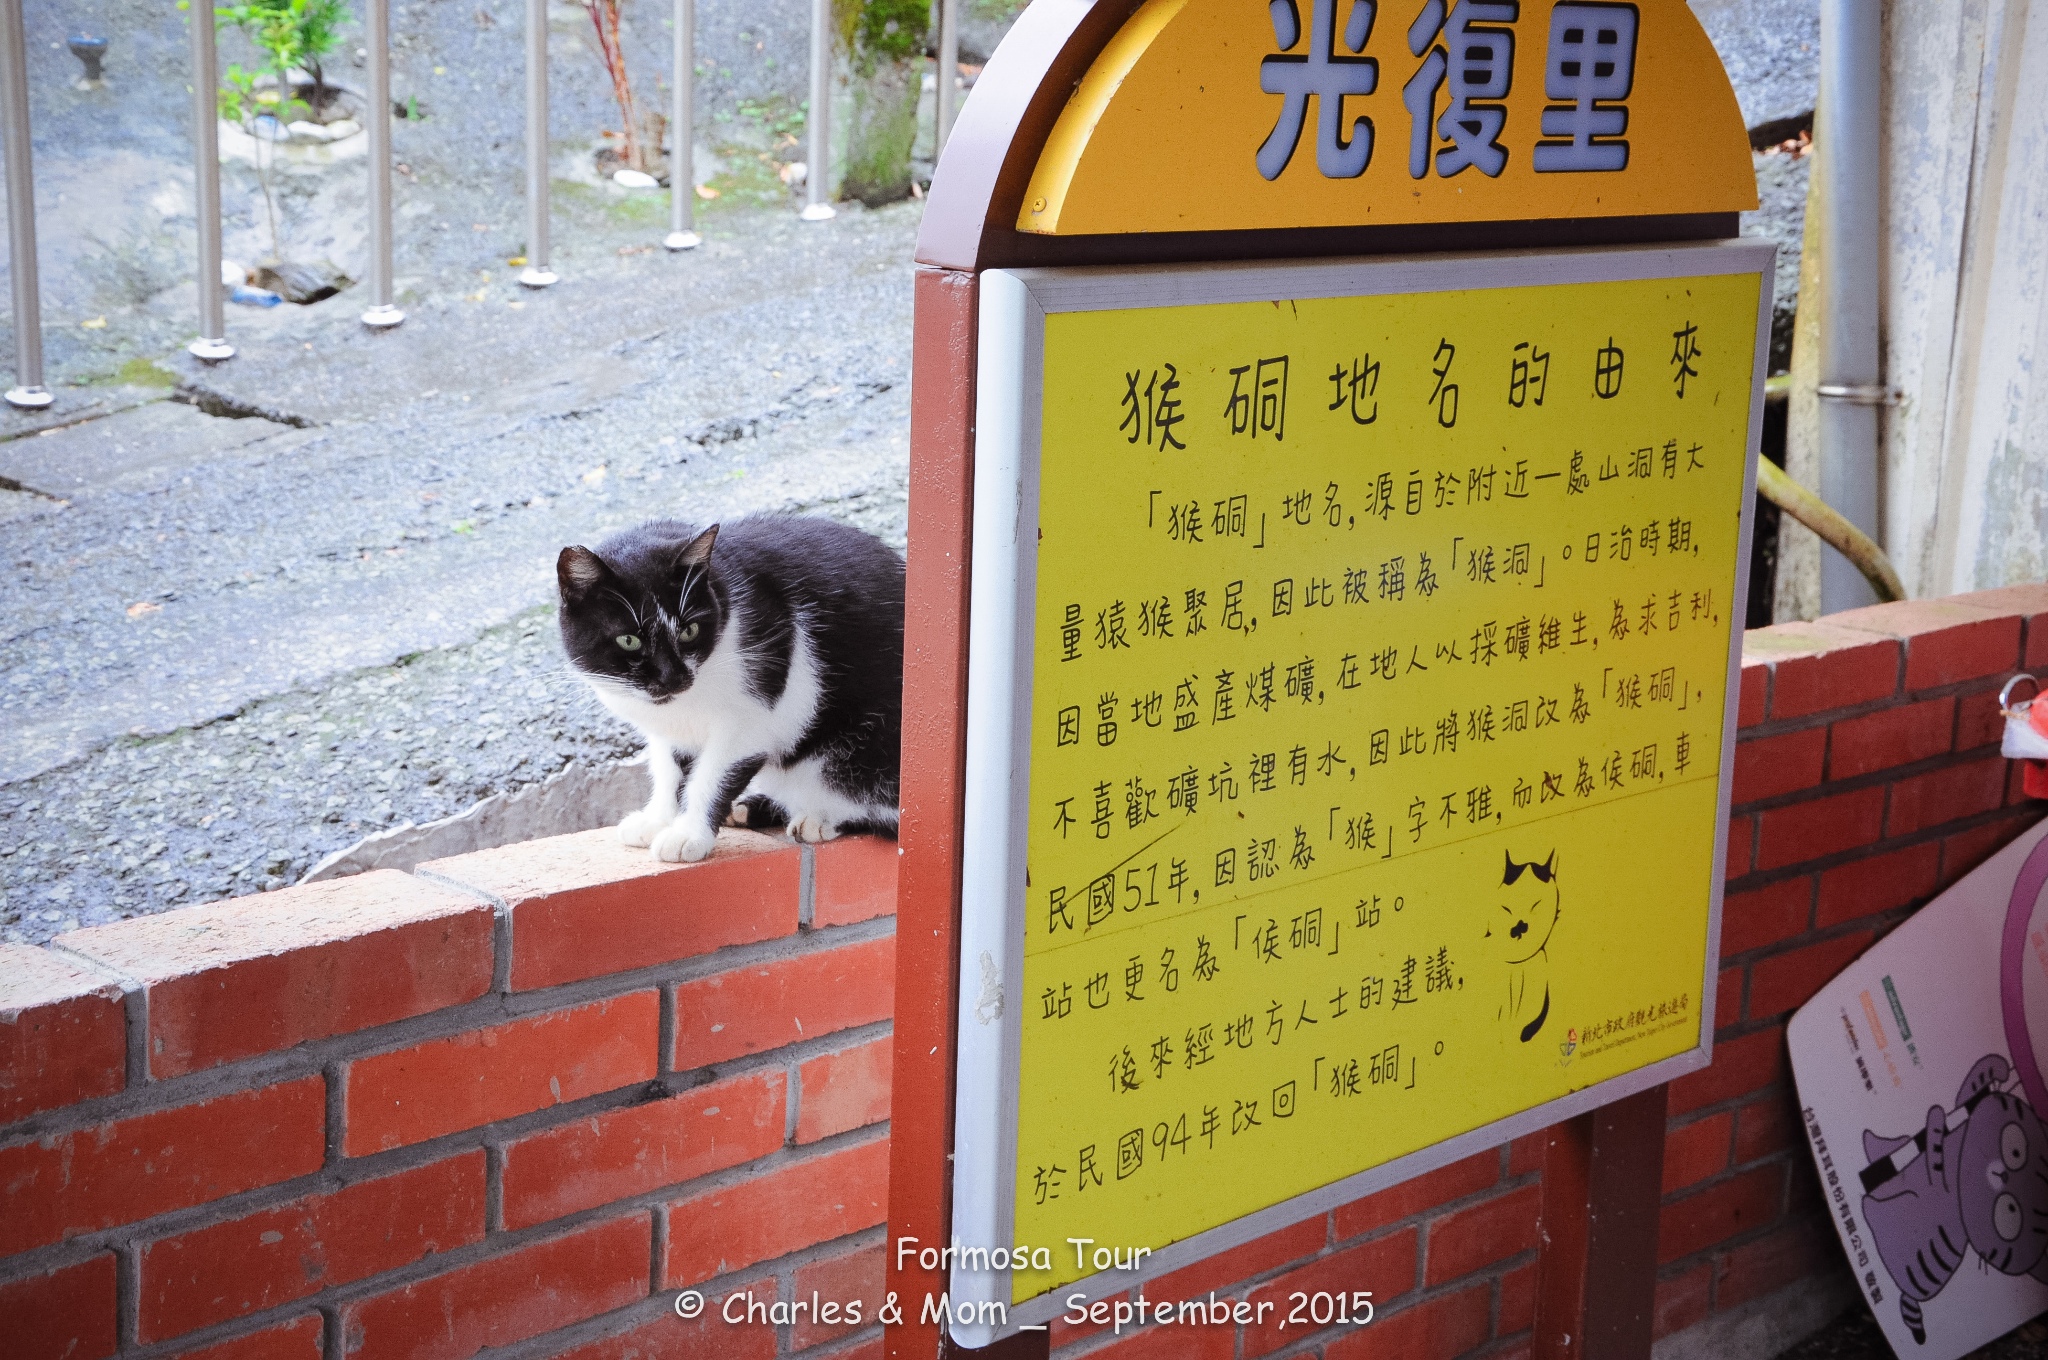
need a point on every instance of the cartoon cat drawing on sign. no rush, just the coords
(1518, 934)
(1975, 1179)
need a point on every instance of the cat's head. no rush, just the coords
(2001, 1177)
(646, 612)
(1528, 905)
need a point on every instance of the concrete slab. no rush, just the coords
(119, 450)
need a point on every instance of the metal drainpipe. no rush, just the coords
(682, 132)
(383, 312)
(28, 393)
(948, 73)
(818, 173)
(1847, 126)
(538, 272)
(212, 344)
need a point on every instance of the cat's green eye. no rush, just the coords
(628, 642)
(689, 633)
(2012, 1146)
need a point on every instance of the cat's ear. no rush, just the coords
(697, 551)
(579, 571)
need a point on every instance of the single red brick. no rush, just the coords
(845, 1090)
(1385, 1266)
(1945, 641)
(506, 1298)
(63, 1037)
(1755, 692)
(1766, 915)
(1728, 998)
(1785, 982)
(609, 1156)
(2026, 601)
(124, 1171)
(1882, 883)
(1171, 1341)
(298, 1339)
(1526, 1153)
(1817, 666)
(1965, 850)
(1725, 1209)
(1741, 845)
(853, 1278)
(1740, 1066)
(1979, 721)
(1695, 1151)
(586, 905)
(1768, 766)
(1064, 1333)
(1891, 736)
(233, 979)
(1946, 795)
(1467, 1176)
(1819, 826)
(61, 1314)
(1766, 1127)
(462, 1081)
(1517, 1301)
(1293, 1243)
(794, 1206)
(1463, 1242)
(781, 1001)
(705, 1337)
(265, 1259)
(1754, 1269)
(1681, 1301)
(1437, 1329)
(853, 880)
(872, 1349)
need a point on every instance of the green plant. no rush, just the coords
(293, 35)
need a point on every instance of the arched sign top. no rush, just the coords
(1227, 115)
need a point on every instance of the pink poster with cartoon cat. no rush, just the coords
(1919, 1071)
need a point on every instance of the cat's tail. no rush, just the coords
(1909, 1309)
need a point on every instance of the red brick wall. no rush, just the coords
(521, 1097)
(524, 1096)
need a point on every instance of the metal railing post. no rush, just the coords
(377, 119)
(537, 273)
(212, 344)
(28, 391)
(818, 174)
(682, 133)
(949, 72)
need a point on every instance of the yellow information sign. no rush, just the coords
(1212, 115)
(1368, 720)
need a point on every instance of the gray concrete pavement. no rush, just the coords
(230, 646)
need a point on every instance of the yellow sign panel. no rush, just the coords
(1379, 657)
(1210, 115)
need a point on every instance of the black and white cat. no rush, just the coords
(763, 662)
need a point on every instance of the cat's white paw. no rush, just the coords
(640, 828)
(813, 827)
(682, 842)
(738, 815)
